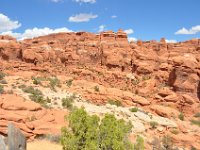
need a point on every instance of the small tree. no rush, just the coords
(87, 133)
(83, 133)
(114, 134)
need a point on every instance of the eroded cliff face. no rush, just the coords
(176, 65)
(159, 77)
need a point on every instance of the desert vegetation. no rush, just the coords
(89, 132)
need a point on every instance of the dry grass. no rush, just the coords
(43, 145)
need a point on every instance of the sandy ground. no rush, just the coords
(43, 145)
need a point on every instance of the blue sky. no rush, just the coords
(143, 19)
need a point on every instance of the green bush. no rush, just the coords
(196, 122)
(153, 124)
(96, 88)
(2, 75)
(1, 89)
(54, 81)
(197, 115)
(135, 109)
(36, 80)
(88, 133)
(35, 95)
(69, 82)
(115, 102)
(67, 102)
(181, 116)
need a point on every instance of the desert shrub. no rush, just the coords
(181, 116)
(31, 118)
(135, 109)
(48, 100)
(3, 81)
(35, 95)
(196, 122)
(96, 88)
(22, 86)
(36, 80)
(139, 145)
(88, 133)
(193, 148)
(114, 102)
(38, 98)
(153, 124)
(31, 90)
(135, 82)
(69, 82)
(197, 115)
(146, 77)
(67, 102)
(54, 81)
(174, 131)
(1, 89)
(2, 75)
(55, 138)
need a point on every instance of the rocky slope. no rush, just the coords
(160, 78)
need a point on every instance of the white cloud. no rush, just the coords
(6, 24)
(132, 39)
(113, 16)
(82, 17)
(171, 41)
(193, 30)
(35, 32)
(129, 31)
(86, 1)
(101, 28)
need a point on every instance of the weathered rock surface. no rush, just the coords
(162, 78)
(29, 117)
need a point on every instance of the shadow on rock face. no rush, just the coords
(172, 77)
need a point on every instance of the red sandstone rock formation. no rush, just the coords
(176, 65)
(28, 116)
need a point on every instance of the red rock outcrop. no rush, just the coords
(175, 65)
(29, 117)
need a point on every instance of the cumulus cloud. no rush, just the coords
(101, 28)
(129, 31)
(82, 17)
(193, 30)
(35, 32)
(171, 41)
(132, 39)
(113, 16)
(6, 24)
(86, 1)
